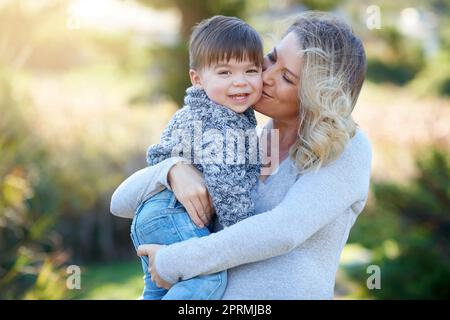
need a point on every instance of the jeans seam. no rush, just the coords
(174, 225)
(218, 286)
(135, 236)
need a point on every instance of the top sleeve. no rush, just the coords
(140, 186)
(315, 200)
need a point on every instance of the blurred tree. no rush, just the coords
(434, 79)
(322, 5)
(408, 229)
(193, 11)
(173, 59)
(30, 250)
(78, 196)
(401, 60)
(440, 6)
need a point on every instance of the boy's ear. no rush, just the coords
(195, 78)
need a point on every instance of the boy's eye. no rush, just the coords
(253, 71)
(224, 72)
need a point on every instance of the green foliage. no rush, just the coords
(110, 281)
(171, 65)
(54, 198)
(29, 250)
(434, 79)
(394, 72)
(322, 5)
(401, 61)
(408, 229)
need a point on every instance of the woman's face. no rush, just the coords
(281, 76)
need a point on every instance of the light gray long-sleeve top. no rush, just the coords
(290, 249)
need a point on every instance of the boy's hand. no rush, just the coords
(150, 250)
(188, 185)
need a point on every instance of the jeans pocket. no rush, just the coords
(186, 227)
(158, 230)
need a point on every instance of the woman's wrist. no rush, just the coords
(172, 171)
(162, 268)
(176, 162)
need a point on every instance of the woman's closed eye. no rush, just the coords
(286, 78)
(271, 57)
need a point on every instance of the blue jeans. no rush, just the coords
(163, 220)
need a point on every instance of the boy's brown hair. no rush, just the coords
(223, 38)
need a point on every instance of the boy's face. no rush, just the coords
(233, 84)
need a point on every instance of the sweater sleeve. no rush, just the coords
(171, 139)
(315, 200)
(140, 186)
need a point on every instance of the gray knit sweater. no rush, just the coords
(207, 134)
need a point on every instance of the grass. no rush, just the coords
(111, 281)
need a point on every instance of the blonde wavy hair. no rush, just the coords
(332, 74)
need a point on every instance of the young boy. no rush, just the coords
(225, 69)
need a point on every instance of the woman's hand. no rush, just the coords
(150, 250)
(188, 185)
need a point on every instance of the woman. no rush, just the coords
(307, 206)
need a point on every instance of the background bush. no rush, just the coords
(407, 227)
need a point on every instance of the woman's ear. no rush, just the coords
(196, 80)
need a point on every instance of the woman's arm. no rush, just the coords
(140, 186)
(315, 200)
(147, 182)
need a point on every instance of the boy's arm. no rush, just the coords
(140, 186)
